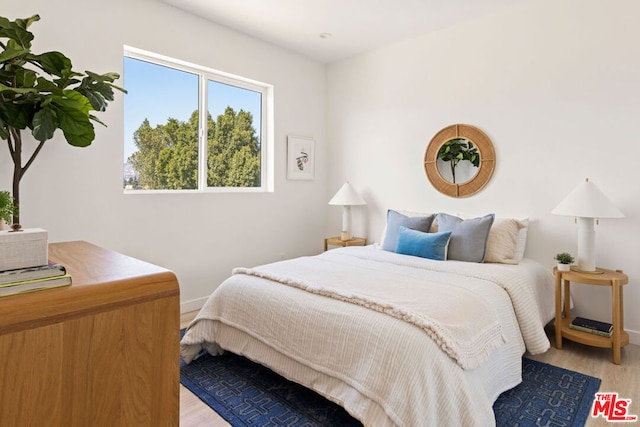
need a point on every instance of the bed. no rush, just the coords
(395, 339)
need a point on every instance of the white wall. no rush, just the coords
(76, 194)
(555, 84)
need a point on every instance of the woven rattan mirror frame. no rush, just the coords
(485, 170)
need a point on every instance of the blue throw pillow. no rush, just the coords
(425, 245)
(468, 237)
(395, 220)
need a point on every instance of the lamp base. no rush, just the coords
(345, 236)
(579, 270)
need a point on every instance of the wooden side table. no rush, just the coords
(616, 279)
(336, 241)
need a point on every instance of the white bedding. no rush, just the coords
(383, 370)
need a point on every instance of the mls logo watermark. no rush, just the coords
(612, 408)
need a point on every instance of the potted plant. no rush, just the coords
(7, 209)
(564, 261)
(43, 93)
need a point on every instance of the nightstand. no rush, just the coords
(616, 279)
(336, 241)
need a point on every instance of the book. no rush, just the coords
(34, 285)
(591, 331)
(51, 269)
(592, 324)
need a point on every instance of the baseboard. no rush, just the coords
(193, 305)
(634, 336)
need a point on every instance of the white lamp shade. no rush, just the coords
(587, 201)
(347, 196)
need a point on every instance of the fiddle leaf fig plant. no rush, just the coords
(456, 150)
(41, 93)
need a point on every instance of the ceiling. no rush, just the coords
(331, 30)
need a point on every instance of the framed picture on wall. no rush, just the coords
(300, 157)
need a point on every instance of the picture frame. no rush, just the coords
(300, 158)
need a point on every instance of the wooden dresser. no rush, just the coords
(101, 352)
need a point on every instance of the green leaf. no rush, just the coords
(106, 77)
(95, 119)
(77, 129)
(11, 53)
(54, 63)
(44, 124)
(67, 79)
(73, 100)
(16, 90)
(44, 85)
(17, 32)
(104, 89)
(25, 78)
(26, 23)
(98, 89)
(78, 133)
(16, 115)
(97, 93)
(72, 112)
(80, 140)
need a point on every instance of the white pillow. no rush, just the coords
(522, 239)
(503, 241)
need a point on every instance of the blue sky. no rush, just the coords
(158, 93)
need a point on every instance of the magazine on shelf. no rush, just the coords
(34, 285)
(51, 269)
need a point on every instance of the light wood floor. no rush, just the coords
(623, 379)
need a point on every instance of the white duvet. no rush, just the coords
(383, 369)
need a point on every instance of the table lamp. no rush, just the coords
(587, 203)
(347, 196)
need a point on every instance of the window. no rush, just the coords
(192, 128)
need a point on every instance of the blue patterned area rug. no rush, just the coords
(547, 396)
(247, 394)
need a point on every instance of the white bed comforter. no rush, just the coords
(382, 369)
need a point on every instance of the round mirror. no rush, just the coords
(459, 160)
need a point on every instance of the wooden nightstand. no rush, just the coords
(613, 278)
(335, 241)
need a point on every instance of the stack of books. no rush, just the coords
(31, 279)
(592, 326)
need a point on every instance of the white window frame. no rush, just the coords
(266, 129)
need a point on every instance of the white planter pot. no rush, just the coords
(564, 267)
(24, 249)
